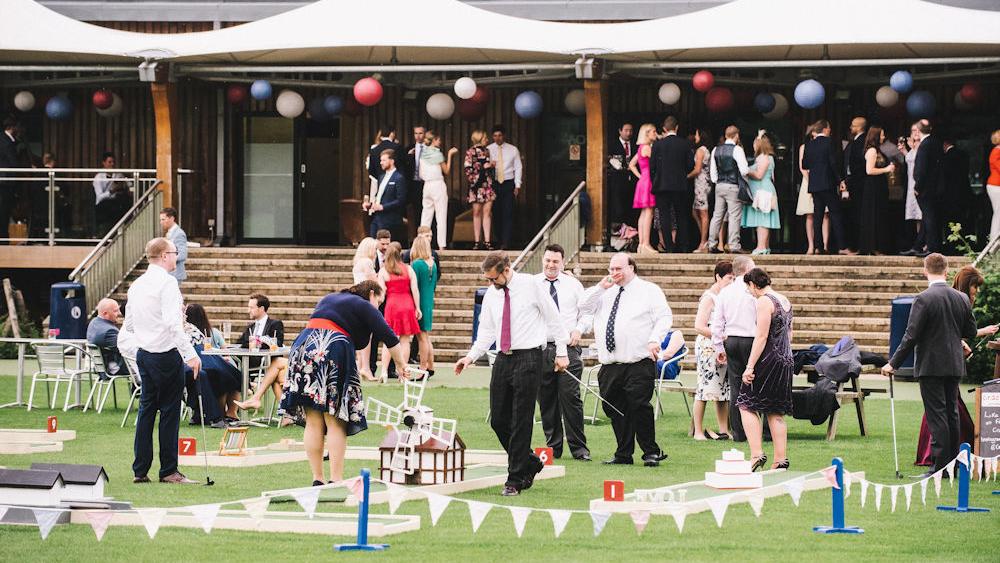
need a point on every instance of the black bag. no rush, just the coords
(744, 196)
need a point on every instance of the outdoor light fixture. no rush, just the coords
(587, 68)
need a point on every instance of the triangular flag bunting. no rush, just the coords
(559, 520)
(756, 500)
(357, 488)
(46, 520)
(256, 507)
(923, 492)
(520, 516)
(99, 521)
(996, 465)
(893, 491)
(864, 492)
(640, 518)
(152, 518)
(878, 496)
(3, 512)
(908, 492)
(600, 519)
(937, 484)
(950, 468)
(397, 495)
(963, 458)
(830, 473)
(205, 514)
(679, 515)
(307, 499)
(437, 504)
(478, 512)
(848, 480)
(718, 504)
(794, 488)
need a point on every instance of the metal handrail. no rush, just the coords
(572, 203)
(990, 248)
(101, 246)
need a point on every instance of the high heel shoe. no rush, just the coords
(783, 464)
(758, 462)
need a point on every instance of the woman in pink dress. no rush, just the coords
(401, 296)
(644, 198)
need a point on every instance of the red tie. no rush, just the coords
(628, 153)
(505, 322)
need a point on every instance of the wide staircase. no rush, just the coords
(833, 296)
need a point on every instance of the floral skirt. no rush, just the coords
(713, 385)
(322, 375)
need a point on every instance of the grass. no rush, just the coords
(783, 531)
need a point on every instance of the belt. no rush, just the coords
(325, 324)
(520, 351)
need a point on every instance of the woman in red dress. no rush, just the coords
(401, 296)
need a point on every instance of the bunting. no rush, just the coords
(520, 516)
(679, 516)
(878, 497)
(937, 484)
(99, 521)
(307, 499)
(848, 480)
(718, 505)
(908, 493)
(478, 512)
(923, 492)
(397, 495)
(256, 507)
(830, 473)
(46, 519)
(152, 518)
(600, 519)
(795, 487)
(205, 514)
(756, 500)
(893, 491)
(559, 520)
(864, 492)
(640, 518)
(437, 505)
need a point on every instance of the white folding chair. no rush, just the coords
(51, 369)
(133, 369)
(105, 381)
(591, 386)
(662, 380)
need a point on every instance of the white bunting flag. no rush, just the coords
(205, 514)
(848, 480)
(99, 521)
(3, 512)
(478, 512)
(878, 497)
(963, 457)
(679, 515)
(923, 492)
(600, 519)
(397, 495)
(937, 484)
(908, 493)
(437, 504)
(996, 465)
(756, 500)
(830, 473)
(640, 518)
(718, 504)
(256, 507)
(46, 520)
(893, 491)
(152, 518)
(357, 488)
(307, 499)
(520, 515)
(950, 469)
(559, 520)
(795, 487)
(864, 492)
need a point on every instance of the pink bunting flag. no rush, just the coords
(963, 457)
(152, 519)
(520, 516)
(99, 521)
(205, 514)
(718, 504)
(357, 488)
(46, 519)
(559, 520)
(640, 518)
(600, 519)
(478, 512)
(950, 470)
(830, 473)
(437, 505)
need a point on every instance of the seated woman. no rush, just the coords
(218, 383)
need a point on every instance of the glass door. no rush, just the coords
(269, 179)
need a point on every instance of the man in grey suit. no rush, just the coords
(103, 333)
(175, 234)
(940, 318)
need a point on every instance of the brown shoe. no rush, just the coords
(140, 479)
(177, 478)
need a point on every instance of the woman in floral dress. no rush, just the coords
(479, 173)
(713, 385)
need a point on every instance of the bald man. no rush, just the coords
(103, 333)
(854, 177)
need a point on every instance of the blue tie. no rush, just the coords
(609, 334)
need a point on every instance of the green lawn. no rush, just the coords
(783, 531)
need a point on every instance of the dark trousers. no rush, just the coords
(931, 212)
(209, 400)
(828, 200)
(504, 208)
(629, 387)
(559, 401)
(854, 218)
(737, 355)
(162, 377)
(940, 396)
(513, 390)
(392, 223)
(622, 196)
(680, 204)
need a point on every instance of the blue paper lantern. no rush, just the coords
(333, 104)
(528, 104)
(317, 110)
(901, 81)
(809, 94)
(260, 89)
(764, 102)
(59, 108)
(920, 104)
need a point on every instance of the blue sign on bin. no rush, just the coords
(68, 310)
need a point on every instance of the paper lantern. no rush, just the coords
(481, 96)
(764, 102)
(719, 99)
(290, 104)
(368, 91)
(236, 94)
(317, 110)
(116, 107)
(260, 89)
(972, 92)
(703, 81)
(465, 88)
(901, 81)
(333, 104)
(469, 110)
(960, 103)
(920, 104)
(576, 102)
(24, 101)
(886, 97)
(809, 94)
(102, 99)
(59, 108)
(528, 104)
(440, 106)
(669, 93)
(780, 108)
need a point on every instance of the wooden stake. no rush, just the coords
(8, 293)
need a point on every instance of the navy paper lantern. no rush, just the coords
(809, 94)
(260, 89)
(764, 102)
(317, 110)
(59, 108)
(901, 81)
(528, 104)
(920, 104)
(333, 104)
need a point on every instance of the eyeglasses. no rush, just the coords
(171, 252)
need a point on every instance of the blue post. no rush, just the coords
(839, 526)
(963, 485)
(362, 544)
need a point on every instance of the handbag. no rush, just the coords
(744, 196)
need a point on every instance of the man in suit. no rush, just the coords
(940, 319)
(389, 202)
(261, 324)
(103, 333)
(175, 234)
(8, 159)
(415, 193)
(621, 182)
(928, 184)
(508, 169)
(956, 190)
(854, 177)
(670, 160)
(825, 185)
(387, 140)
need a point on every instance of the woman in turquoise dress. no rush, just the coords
(424, 268)
(762, 214)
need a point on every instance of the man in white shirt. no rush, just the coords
(507, 164)
(520, 317)
(175, 234)
(155, 315)
(727, 163)
(559, 394)
(111, 195)
(734, 324)
(630, 322)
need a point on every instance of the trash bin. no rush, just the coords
(68, 309)
(899, 316)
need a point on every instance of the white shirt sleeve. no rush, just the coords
(517, 167)
(741, 160)
(591, 301)
(662, 315)
(584, 320)
(487, 333)
(718, 323)
(712, 172)
(171, 304)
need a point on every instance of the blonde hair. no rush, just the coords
(478, 137)
(764, 146)
(156, 247)
(429, 137)
(640, 139)
(367, 248)
(995, 137)
(421, 249)
(394, 259)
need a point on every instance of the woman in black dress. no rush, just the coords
(767, 381)
(875, 232)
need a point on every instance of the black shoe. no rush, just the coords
(618, 461)
(722, 436)
(783, 464)
(909, 252)
(584, 457)
(652, 460)
(758, 462)
(140, 479)
(922, 254)
(430, 373)
(326, 457)
(530, 480)
(510, 491)
(714, 250)
(218, 424)
(317, 483)
(926, 475)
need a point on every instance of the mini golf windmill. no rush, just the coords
(419, 448)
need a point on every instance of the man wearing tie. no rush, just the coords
(519, 316)
(927, 176)
(559, 394)
(507, 163)
(389, 201)
(825, 185)
(630, 322)
(734, 324)
(415, 193)
(621, 182)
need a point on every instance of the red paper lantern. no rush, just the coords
(972, 93)
(481, 96)
(368, 91)
(352, 107)
(703, 81)
(469, 110)
(719, 99)
(236, 94)
(102, 99)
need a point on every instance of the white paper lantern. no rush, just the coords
(114, 109)
(576, 102)
(886, 97)
(780, 107)
(290, 104)
(465, 88)
(440, 106)
(24, 101)
(960, 103)
(670, 93)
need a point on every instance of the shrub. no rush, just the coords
(979, 368)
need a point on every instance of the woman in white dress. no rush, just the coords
(713, 385)
(804, 205)
(434, 166)
(362, 269)
(909, 146)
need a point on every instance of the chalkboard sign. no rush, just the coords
(988, 419)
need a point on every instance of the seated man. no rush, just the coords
(271, 330)
(111, 195)
(103, 333)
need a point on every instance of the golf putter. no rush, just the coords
(201, 411)
(892, 414)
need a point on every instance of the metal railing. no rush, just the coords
(564, 228)
(121, 249)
